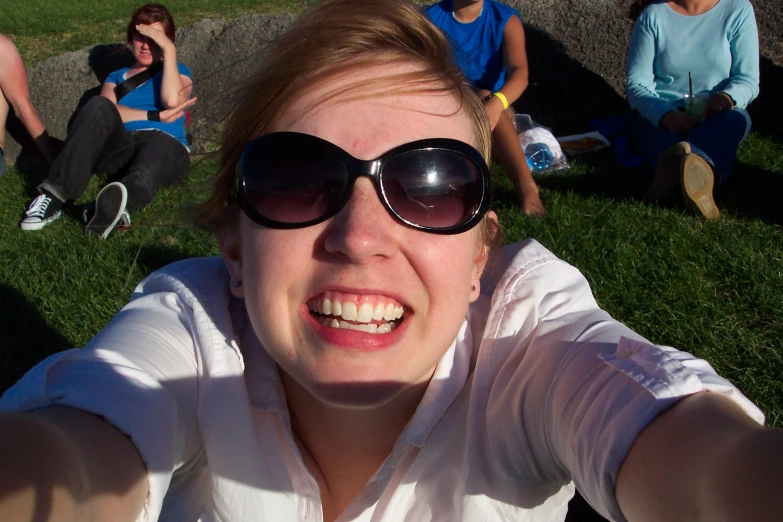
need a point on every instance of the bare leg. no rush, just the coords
(509, 153)
(3, 118)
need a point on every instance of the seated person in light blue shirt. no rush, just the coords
(708, 48)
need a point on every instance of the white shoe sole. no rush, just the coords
(107, 215)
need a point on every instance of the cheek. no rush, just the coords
(446, 267)
(274, 264)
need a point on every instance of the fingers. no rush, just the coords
(154, 33)
(188, 103)
(170, 115)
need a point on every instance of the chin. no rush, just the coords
(358, 394)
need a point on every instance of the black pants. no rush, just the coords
(97, 141)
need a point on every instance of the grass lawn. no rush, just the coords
(713, 289)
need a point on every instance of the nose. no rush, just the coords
(363, 230)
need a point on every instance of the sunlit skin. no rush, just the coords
(350, 394)
(145, 44)
(15, 96)
(361, 251)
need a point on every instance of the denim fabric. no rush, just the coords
(97, 141)
(716, 139)
(2, 162)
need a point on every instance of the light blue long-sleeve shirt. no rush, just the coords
(720, 48)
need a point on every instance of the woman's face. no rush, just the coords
(145, 51)
(362, 258)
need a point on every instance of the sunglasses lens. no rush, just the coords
(292, 186)
(433, 188)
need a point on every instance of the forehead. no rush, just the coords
(368, 121)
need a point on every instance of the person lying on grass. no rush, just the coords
(15, 94)
(136, 136)
(362, 350)
(489, 44)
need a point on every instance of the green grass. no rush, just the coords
(713, 289)
(44, 28)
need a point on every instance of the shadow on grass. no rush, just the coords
(752, 193)
(156, 256)
(26, 338)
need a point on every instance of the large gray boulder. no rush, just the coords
(576, 50)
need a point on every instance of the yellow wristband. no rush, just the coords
(502, 97)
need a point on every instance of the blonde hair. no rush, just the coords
(335, 38)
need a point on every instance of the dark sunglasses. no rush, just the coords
(291, 180)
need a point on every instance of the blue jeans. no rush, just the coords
(2, 162)
(97, 141)
(716, 139)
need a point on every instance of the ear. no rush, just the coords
(480, 262)
(229, 241)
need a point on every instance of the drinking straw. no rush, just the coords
(690, 84)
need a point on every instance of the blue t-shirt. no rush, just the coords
(478, 45)
(146, 97)
(720, 48)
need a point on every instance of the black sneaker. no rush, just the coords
(109, 207)
(43, 210)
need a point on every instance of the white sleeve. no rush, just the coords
(140, 373)
(580, 386)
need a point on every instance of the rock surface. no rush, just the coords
(576, 50)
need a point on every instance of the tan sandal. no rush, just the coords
(697, 183)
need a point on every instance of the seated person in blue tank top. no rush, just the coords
(138, 138)
(489, 44)
(706, 47)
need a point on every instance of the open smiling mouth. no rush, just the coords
(376, 317)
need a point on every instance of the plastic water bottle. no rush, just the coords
(539, 156)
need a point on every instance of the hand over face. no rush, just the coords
(155, 33)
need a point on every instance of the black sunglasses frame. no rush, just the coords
(357, 168)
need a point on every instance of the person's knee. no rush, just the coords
(98, 104)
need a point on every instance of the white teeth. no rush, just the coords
(388, 312)
(368, 328)
(384, 328)
(348, 315)
(349, 311)
(365, 313)
(377, 314)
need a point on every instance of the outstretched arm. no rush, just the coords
(704, 459)
(62, 464)
(14, 87)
